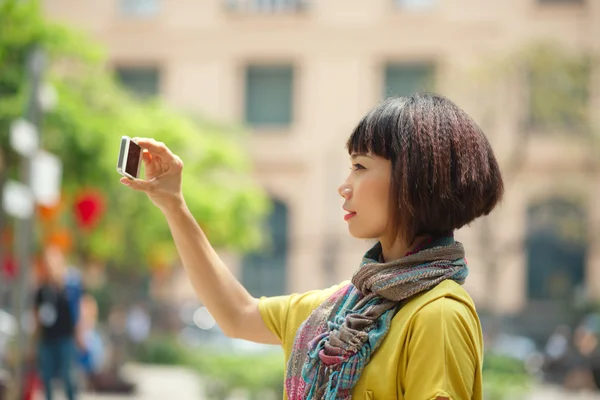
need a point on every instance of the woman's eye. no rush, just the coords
(357, 166)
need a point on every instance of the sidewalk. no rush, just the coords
(557, 393)
(157, 383)
(171, 382)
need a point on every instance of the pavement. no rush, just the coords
(158, 383)
(153, 383)
(557, 393)
(170, 382)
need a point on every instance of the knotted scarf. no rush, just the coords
(336, 341)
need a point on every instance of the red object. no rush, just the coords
(89, 207)
(9, 267)
(32, 385)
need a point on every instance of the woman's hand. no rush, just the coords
(162, 170)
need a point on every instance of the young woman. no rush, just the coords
(403, 327)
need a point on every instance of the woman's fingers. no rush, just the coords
(146, 156)
(163, 171)
(138, 184)
(154, 147)
(152, 166)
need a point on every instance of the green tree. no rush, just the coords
(559, 90)
(552, 87)
(84, 130)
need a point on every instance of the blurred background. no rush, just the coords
(258, 98)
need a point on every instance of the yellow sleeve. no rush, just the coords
(274, 312)
(284, 314)
(443, 352)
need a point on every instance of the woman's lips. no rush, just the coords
(349, 215)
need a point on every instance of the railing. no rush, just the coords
(266, 6)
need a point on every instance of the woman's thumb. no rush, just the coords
(136, 184)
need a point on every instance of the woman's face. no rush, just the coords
(366, 192)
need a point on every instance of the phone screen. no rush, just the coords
(133, 159)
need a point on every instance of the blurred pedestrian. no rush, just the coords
(592, 322)
(92, 352)
(55, 325)
(138, 327)
(403, 327)
(580, 375)
(559, 353)
(117, 330)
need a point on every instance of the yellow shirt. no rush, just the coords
(434, 346)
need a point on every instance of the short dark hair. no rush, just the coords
(444, 172)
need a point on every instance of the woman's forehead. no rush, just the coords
(357, 154)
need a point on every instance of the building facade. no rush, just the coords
(300, 74)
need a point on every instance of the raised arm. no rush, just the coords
(234, 309)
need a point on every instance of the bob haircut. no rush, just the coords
(444, 173)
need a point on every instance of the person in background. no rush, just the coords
(55, 324)
(91, 355)
(580, 375)
(138, 324)
(559, 353)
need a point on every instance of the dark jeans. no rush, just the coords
(56, 360)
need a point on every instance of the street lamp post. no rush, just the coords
(24, 226)
(39, 184)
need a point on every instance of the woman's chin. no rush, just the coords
(360, 234)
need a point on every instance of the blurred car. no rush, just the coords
(515, 346)
(521, 348)
(200, 330)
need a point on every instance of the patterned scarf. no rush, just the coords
(336, 341)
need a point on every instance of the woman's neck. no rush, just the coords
(397, 248)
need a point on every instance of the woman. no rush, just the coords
(403, 328)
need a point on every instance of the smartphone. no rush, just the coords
(130, 158)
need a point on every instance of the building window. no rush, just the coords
(141, 81)
(269, 95)
(140, 8)
(559, 95)
(266, 6)
(264, 272)
(415, 5)
(556, 249)
(406, 79)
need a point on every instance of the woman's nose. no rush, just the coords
(345, 191)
